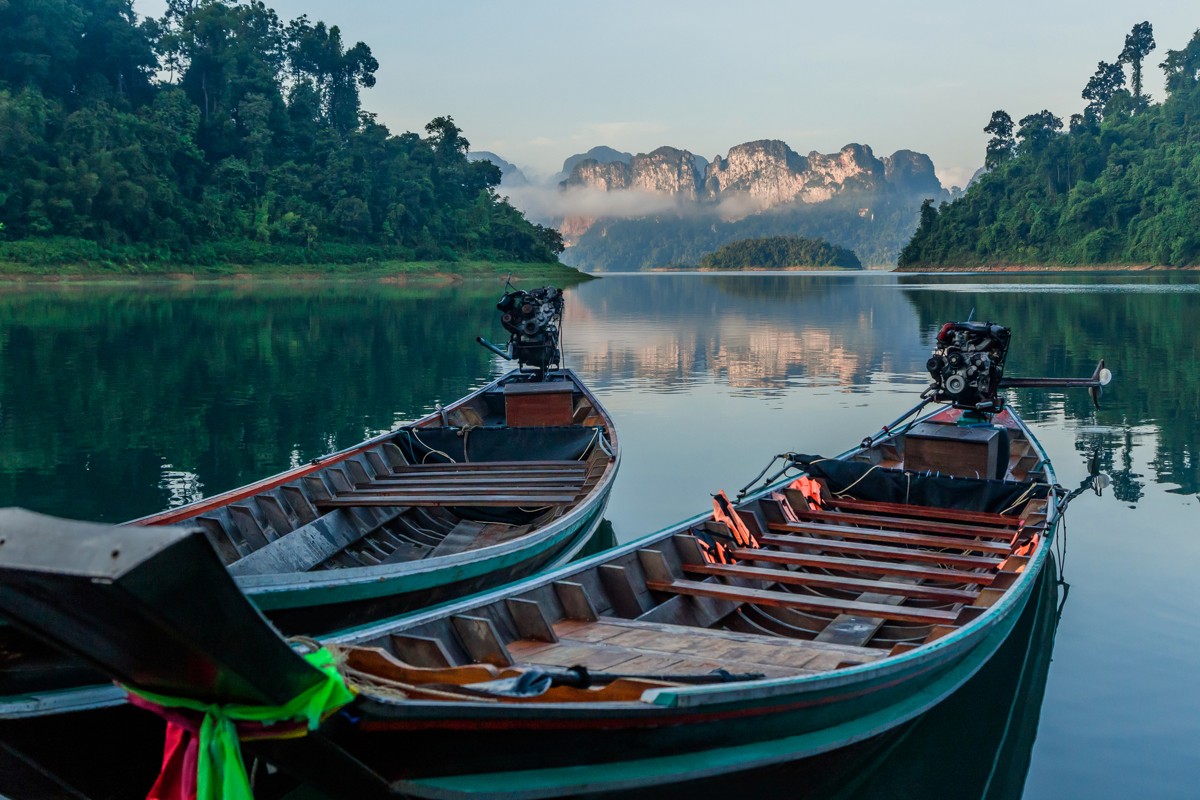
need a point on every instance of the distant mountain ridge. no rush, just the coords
(510, 174)
(619, 210)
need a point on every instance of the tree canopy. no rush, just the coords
(222, 123)
(780, 252)
(1121, 186)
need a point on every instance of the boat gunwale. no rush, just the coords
(283, 582)
(943, 650)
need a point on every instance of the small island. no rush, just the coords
(780, 253)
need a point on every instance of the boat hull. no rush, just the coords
(587, 750)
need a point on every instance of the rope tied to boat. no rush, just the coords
(205, 761)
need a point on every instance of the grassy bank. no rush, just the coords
(69, 259)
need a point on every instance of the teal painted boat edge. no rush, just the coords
(530, 784)
(299, 595)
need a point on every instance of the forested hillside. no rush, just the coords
(1121, 185)
(222, 133)
(780, 252)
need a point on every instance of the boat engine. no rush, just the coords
(967, 365)
(533, 320)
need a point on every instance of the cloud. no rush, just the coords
(955, 176)
(547, 204)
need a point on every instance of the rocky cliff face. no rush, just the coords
(767, 172)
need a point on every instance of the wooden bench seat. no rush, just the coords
(897, 537)
(867, 566)
(804, 603)
(879, 551)
(821, 580)
(899, 523)
(351, 500)
(925, 512)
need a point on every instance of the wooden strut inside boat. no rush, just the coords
(819, 610)
(825, 587)
(816, 594)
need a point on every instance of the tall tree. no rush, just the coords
(336, 74)
(1182, 67)
(1101, 87)
(1037, 130)
(1138, 44)
(1001, 145)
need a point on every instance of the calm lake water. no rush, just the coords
(118, 402)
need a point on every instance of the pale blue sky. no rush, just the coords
(537, 81)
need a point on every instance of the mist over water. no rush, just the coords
(116, 402)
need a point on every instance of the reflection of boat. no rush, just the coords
(990, 723)
(494, 487)
(815, 614)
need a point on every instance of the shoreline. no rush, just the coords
(1046, 268)
(398, 273)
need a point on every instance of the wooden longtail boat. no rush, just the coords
(817, 612)
(507, 481)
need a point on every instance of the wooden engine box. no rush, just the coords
(529, 405)
(951, 450)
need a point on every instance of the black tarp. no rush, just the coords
(866, 482)
(564, 443)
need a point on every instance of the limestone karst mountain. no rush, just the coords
(669, 206)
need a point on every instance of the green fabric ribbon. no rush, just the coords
(221, 773)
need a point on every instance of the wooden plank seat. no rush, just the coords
(476, 466)
(897, 523)
(880, 551)
(952, 576)
(898, 537)
(821, 580)
(924, 512)
(805, 603)
(441, 489)
(472, 479)
(354, 500)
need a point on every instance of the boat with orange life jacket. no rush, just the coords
(844, 597)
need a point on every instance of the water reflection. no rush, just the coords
(118, 402)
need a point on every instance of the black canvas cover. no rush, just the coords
(563, 443)
(867, 482)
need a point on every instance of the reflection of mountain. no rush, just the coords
(1144, 332)
(106, 395)
(749, 331)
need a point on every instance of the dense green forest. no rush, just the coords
(779, 252)
(1121, 185)
(875, 235)
(221, 133)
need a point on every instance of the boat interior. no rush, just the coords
(487, 470)
(852, 562)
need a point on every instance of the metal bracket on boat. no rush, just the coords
(1101, 377)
